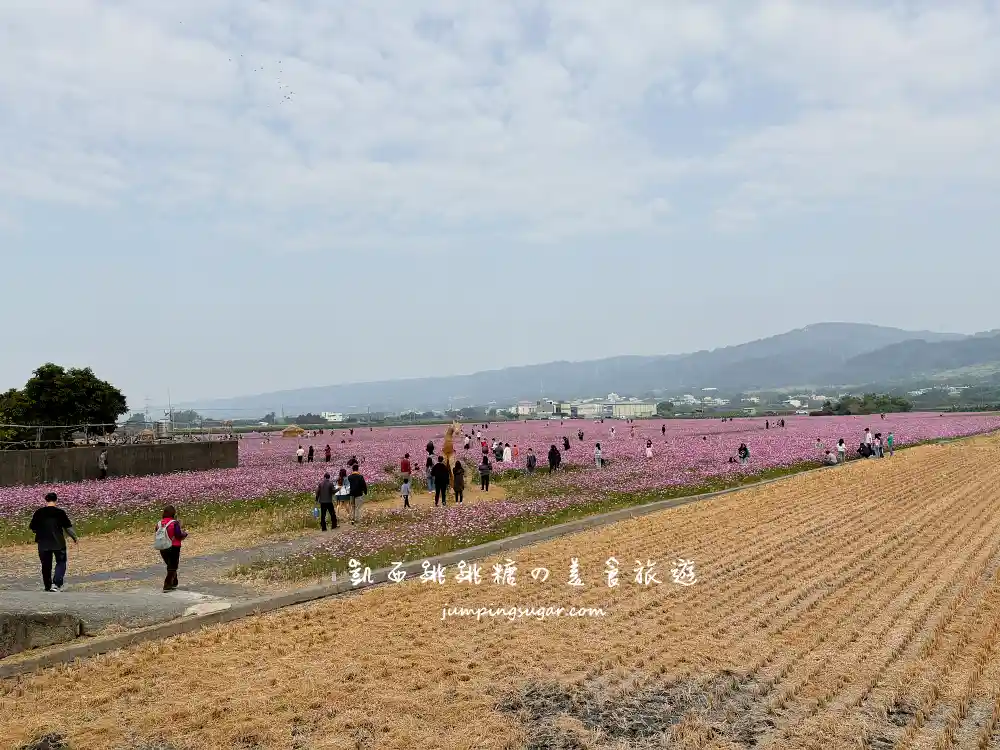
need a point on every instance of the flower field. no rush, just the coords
(689, 453)
(855, 608)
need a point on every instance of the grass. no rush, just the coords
(267, 510)
(322, 564)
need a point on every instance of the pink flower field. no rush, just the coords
(690, 452)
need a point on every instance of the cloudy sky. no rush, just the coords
(220, 197)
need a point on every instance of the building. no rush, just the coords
(633, 409)
(525, 408)
(749, 411)
(332, 416)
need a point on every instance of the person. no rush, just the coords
(359, 488)
(405, 468)
(486, 448)
(841, 451)
(405, 491)
(102, 464)
(459, 472)
(172, 555)
(554, 458)
(782, 424)
(515, 452)
(597, 456)
(744, 453)
(579, 435)
(430, 448)
(498, 452)
(649, 449)
(508, 455)
(819, 444)
(612, 430)
(50, 525)
(312, 454)
(869, 438)
(565, 443)
(468, 442)
(300, 453)
(442, 478)
(830, 459)
(327, 453)
(343, 495)
(484, 474)
(878, 446)
(663, 430)
(531, 461)
(324, 496)
(890, 442)
(429, 474)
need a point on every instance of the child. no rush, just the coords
(405, 491)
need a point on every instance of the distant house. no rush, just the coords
(633, 409)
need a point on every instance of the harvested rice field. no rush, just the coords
(855, 607)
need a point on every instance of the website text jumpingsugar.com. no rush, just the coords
(520, 613)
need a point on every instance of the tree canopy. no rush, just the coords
(870, 403)
(61, 401)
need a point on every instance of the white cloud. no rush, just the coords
(517, 118)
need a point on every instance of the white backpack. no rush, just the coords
(161, 539)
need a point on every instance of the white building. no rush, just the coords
(525, 408)
(332, 416)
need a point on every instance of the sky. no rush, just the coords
(212, 198)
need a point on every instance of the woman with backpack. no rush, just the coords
(167, 540)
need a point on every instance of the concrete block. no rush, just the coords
(25, 631)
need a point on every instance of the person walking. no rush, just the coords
(890, 442)
(598, 459)
(663, 430)
(343, 495)
(405, 467)
(508, 454)
(485, 469)
(50, 525)
(171, 527)
(841, 451)
(405, 491)
(102, 464)
(442, 478)
(311, 455)
(459, 472)
(300, 454)
(324, 496)
(429, 473)
(554, 458)
(359, 488)
(327, 453)
(531, 461)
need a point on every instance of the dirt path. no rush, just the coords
(208, 552)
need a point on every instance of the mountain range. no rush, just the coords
(817, 356)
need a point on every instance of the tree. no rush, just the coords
(870, 403)
(61, 401)
(309, 419)
(136, 418)
(665, 408)
(186, 417)
(270, 418)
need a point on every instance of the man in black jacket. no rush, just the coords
(324, 496)
(359, 488)
(50, 524)
(555, 458)
(442, 478)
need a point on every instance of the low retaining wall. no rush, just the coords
(25, 631)
(49, 465)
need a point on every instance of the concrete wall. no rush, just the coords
(76, 464)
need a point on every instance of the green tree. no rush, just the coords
(61, 401)
(186, 417)
(665, 408)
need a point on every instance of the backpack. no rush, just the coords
(161, 539)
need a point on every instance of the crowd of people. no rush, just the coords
(348, 491)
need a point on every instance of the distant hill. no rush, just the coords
(807, 355)
(914, 360)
